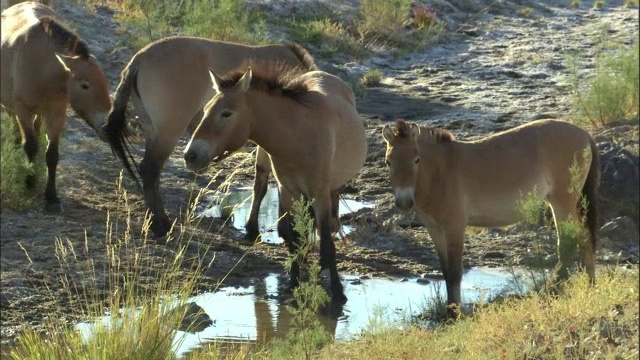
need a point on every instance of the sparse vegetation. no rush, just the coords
(139, 293)
(582, 322)
(599, 4)
(525, 11)
(611, 94)
(532, 208)
(372, 78)
(16, 167)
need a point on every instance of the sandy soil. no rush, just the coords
(499, 70)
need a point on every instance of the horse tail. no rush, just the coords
(116, 122)
(303, 55)
(590, 194)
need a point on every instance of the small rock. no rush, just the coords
(423, 281)
(195, 318)
(621, 229)
(513, 74)
(494, 255)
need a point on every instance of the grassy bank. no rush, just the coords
(583, 322)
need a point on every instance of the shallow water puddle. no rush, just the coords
(240, 201)
(258, 313)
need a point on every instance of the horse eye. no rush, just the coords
(225, 114)
(84, 86)
(417, 160)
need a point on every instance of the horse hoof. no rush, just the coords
(251, 236)
(159, 228)
(54, 207)
(340, 299)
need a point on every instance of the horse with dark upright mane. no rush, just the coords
(168, 84)
(45, 68)
(308, 124)
(453, 184)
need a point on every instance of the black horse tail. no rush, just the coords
(590, 194)
(303, 55)
(116, 122)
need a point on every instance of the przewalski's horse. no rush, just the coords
(308, 124)
(452, 184)
(45, 66)
(9, 3)
(168, 83)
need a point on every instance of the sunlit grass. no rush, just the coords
(583, 322)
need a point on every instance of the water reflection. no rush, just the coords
(240, 202)
(258, 313)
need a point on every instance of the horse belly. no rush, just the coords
(501, 209)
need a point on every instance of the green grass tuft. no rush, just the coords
(611, 94)
(15, 167)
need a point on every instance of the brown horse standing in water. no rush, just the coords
(308, 124)
(452, 184)
(45, 67)
(168, 83)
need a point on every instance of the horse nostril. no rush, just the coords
(190, 156)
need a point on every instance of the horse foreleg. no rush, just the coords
(291, 239)
(55, 124)
(455, 248)
(449, 246)
(260, 185)
(155, 155)
(29, 138)
(335, 211)
(322, 210)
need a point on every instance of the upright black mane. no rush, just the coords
(403, 130)
(64, 37)
(278, 78)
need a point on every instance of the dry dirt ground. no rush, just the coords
(499, 69)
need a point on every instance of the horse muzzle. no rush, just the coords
(404, 199)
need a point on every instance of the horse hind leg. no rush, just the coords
(566, 215)
(287, 233)
(156, 154)
(323, 215)
(260, 186)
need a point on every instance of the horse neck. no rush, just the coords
(274, 126)
(432, 181)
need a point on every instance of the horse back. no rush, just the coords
(173, 82)
(335, 106)
(495, 172)
(29, 68)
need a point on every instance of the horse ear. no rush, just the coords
(215, 80)
(387, 133)
(415, 131)
(245, 80)
(65, 61)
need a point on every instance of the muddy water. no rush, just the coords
(258, 312)
(240, 203)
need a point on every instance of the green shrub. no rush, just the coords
(144, 21)
(611, 94)
(385, 22)
(532, 208)
(307, 335)
(15, 167)
(372, 78)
